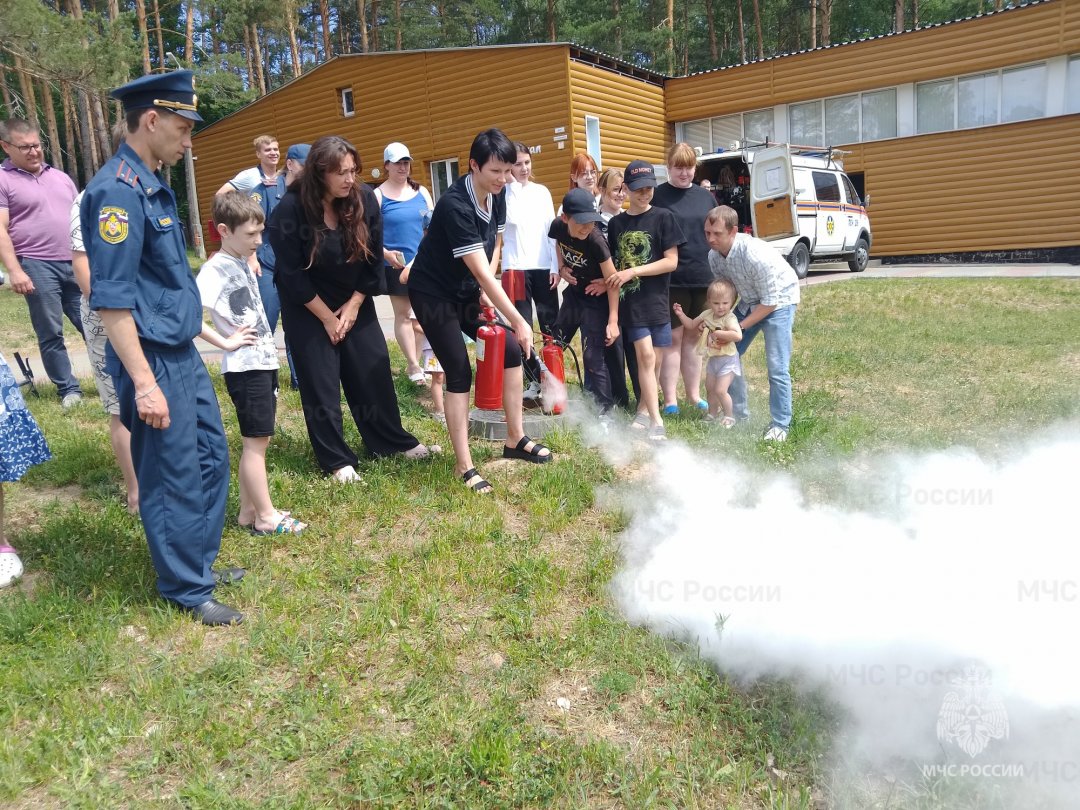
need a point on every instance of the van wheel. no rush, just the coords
(861, 258)
(799, 259)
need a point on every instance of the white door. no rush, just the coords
(772, 194)
(831, 215)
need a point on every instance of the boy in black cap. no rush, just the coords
(143, 287)
(594, 309)
(645, 243)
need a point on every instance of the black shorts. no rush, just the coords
(254, 393)
(694, 301)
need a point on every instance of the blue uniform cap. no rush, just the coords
(298, 152)
(173, 91)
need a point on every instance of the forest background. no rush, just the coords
(59, 58)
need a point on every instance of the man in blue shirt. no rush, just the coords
(142, 285)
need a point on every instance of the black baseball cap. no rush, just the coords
(578, 205)
(639, 174)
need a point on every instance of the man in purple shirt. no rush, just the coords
(35, 247)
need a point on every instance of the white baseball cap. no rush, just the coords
(395, 152)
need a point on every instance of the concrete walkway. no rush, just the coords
(819, 274)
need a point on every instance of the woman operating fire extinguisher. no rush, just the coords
(452, 272)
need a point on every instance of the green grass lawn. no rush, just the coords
(412, 648)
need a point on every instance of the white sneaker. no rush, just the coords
(532, 391)
(70, 400)
(346, 475)
(775, 434)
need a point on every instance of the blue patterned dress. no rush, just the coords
(21, 443)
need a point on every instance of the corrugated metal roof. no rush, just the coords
(871, 39)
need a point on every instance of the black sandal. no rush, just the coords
(532, 456)
(478, 485)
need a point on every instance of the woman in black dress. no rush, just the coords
(327, 235)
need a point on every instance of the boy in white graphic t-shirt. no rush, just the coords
(230, 293)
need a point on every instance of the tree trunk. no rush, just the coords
(102, 128)
(710, 16)
(374, 25)
(671, 37)
(397, 24)
(56, 153)
(616, 10)
(114, 9)
(742, 33)
(757, 25)
(294, 44)
(813, 24)
(257, 59)
(189, 34)
(361, 16)
(324, 12)
(915, 13)
(157, 32)
(8, 101)
(898, 22)
(26, 84)
(144, 39)
(551, 20)
(252, 82)
(87, 143)
(826, 21)
(69, 133)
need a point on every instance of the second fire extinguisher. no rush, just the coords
(490, 353)
(553, 386)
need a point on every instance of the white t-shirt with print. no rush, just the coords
(230, 292)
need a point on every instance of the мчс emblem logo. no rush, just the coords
(971, 714)
(113, 224)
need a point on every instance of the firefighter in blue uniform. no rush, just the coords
(143, 287)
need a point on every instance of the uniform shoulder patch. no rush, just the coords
(113, 224)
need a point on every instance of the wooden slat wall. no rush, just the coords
(1007, 187)
(1017, 35)
(631, 114)
(434, 102)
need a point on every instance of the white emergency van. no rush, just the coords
(796, 197)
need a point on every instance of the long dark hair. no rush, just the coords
(327, 155)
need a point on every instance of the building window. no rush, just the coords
(977, 100)
(1023, 93)
(935, 106)
(345, 98)
(879, 115)
(1072, 85)
(758, 126)
(592, 138)
(842, 120)
(443, 174)
(717, 134)
(804, 124)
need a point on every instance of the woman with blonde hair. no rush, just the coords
(690, 203)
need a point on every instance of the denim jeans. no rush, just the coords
(776, 327)
(272, 307)
(55, 295)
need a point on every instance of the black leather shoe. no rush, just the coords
(227, 576)
(212, 613)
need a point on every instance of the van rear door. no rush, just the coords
(772, 194)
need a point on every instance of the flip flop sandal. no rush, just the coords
(657, 433)
(478, 485)
(532, 456)
(418, 377)
(641, 421)
(287, 525)
(11, 567)
(250, 526)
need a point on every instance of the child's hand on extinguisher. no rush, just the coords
(523, 333)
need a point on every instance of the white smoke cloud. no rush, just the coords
(935, 597)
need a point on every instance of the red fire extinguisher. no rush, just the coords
(490, 352)
(513, 283)
(553, 370)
